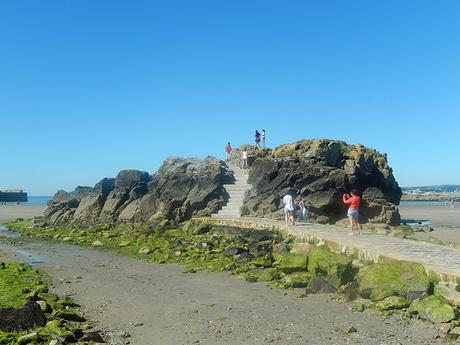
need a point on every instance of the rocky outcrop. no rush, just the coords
(319, 172)
(181, 188)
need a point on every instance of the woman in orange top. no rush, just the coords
(353, 201)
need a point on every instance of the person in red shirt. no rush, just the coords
(353, 202)
(228, 151)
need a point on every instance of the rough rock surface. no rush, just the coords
(181, 188)
(24, 318)
(320, 171)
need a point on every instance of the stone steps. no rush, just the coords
(236, 192)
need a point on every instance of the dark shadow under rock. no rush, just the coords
(319, 285)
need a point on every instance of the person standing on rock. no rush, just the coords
(228, 151)
(288, 203)
(244, 155)
(257, 139)
(263, 138)
(353, 202)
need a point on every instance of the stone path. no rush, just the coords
(440, 259)
(236, 192)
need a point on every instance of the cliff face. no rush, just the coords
(181, 188)
(320, 171)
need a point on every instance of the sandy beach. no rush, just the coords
(445, 220)
(11, 211)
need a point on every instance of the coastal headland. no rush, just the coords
(147, 223)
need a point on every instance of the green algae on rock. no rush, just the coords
(29, 314)
(391, 303)
(15, 279)
(400, 278)
(433, 308)
(289, 263)
(336, 269)
(295, 280)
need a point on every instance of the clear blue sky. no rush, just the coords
(90, 87)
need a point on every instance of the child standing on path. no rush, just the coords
(228, 151)
(353, 201)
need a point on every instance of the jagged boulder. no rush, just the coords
(319, 172)
(181, 188)
(129, 186)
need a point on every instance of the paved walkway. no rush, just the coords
(436, 258)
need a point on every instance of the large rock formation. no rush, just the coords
(319, 171)
(181, 188)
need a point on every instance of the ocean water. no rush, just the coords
(38, 200)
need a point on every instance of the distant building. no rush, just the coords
(13, 195)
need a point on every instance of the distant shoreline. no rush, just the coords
(429, 197)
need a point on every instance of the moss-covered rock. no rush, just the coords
(296, 280)
(15, 282)
(433, 308)
(391, 303)
(268, 275)
(402, 231)
(359, 307)
(66, 302)
(401, 278)
(336, 269)
(28, 338)
(291, 263)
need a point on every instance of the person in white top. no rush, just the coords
(288, 203)
(245, 159)
(263, 138)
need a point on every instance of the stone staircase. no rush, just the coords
(236, 192)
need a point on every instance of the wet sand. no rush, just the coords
(445, 220)
(11, 212)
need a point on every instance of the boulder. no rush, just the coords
(289, 263)
(433, 308)
(319, 171)
(296, 280)
(400, 278)
(185, 188)
(334, 268)
(391, 303)
(20, 319)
